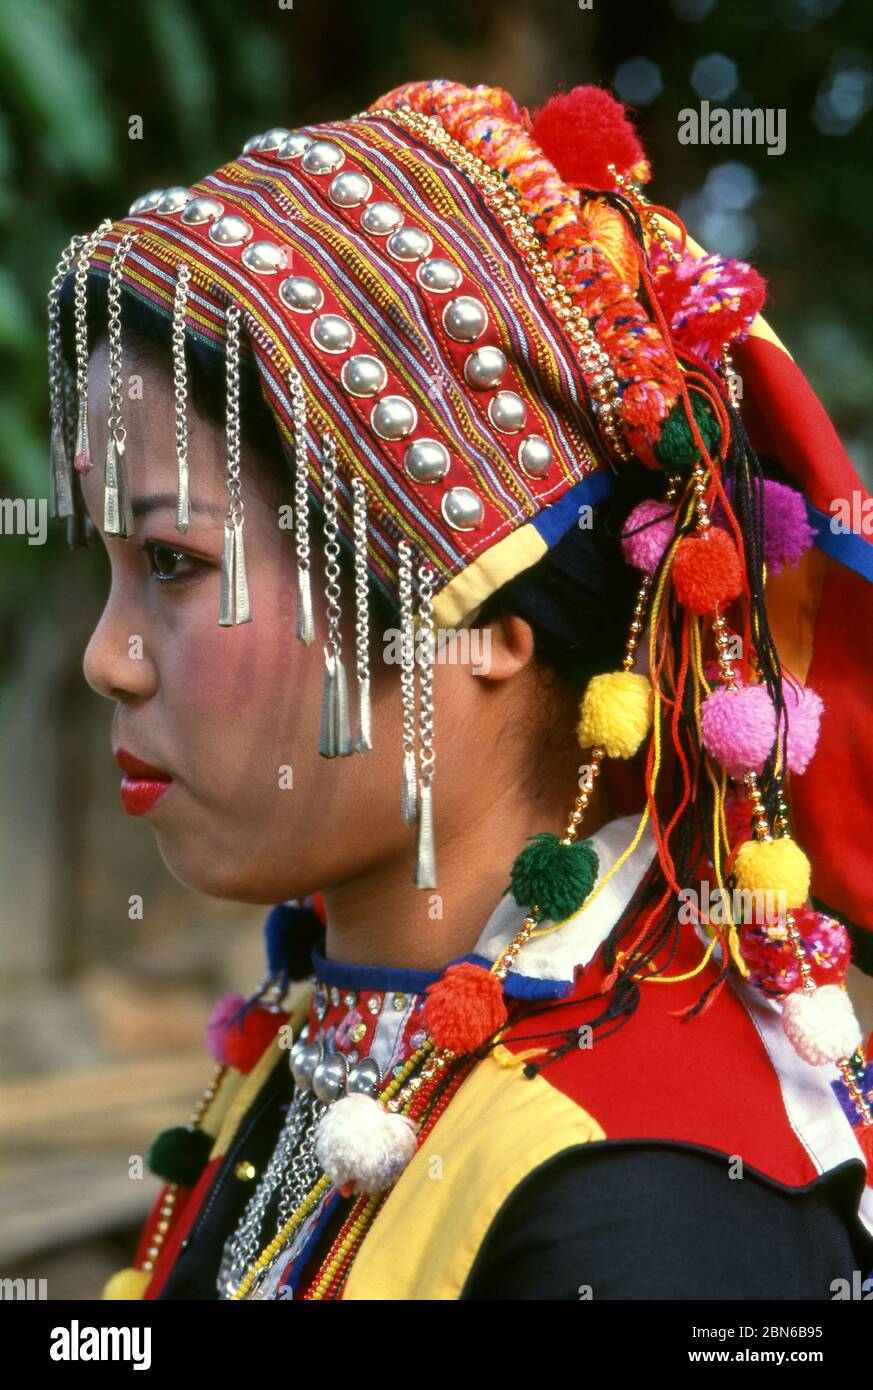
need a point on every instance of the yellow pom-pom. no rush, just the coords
(129, 1284)
(775, 866)
(616, 713)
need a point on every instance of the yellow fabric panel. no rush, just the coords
(497, 1129)
(248, 1086)
(485, 575)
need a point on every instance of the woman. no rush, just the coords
(439, 382)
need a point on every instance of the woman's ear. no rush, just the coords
(504, 646)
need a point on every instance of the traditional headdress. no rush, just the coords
(467, 321)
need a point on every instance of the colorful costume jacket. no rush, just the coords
(726, 1082)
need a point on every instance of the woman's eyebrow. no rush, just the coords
(154, 501)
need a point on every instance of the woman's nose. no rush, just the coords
(117, 663)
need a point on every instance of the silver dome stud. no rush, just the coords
(364, 1077)
(393, 417)
(465, 319)
(484, 368)
(173, 200)
(265, 257)
(438, 275)
(329, 1078)
(303, 1066)
(364, 375)
(300, 293)
(349, 190)
(409, 244)
(201, 209)
(294, 145)
(380, 218)
(462, 509)
(535, 456)
(146, 202)
(272, 139)
(322, 157)
(230, 230)
(251, 145)
(332, 333)
(507, 412)
(426, 461)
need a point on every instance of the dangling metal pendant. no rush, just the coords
(336, 737)
(180, 387)
(364, 728)
(61, 503)
(83, 461)
(60, 481)
(409, 790)
(117, 512)
(235, 606)
(425, 852)
(305, 619)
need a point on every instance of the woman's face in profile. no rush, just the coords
(233, 714)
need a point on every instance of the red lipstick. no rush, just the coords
(141, 784)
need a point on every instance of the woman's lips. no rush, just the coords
(141, 784)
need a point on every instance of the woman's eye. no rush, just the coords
(168, 563)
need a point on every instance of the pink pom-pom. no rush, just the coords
(804, 708)
(646, 535)
(584, 131)
(219, 1024)
(738, 728)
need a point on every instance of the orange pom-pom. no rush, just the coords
(707, 571)
(248, 1039)
(464, 1007)
(584, 131)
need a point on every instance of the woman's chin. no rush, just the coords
(218, 874)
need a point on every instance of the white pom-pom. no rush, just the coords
(821, 1025)
(363, 1147)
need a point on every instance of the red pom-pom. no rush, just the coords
(707, 571)
(584, 131)
(464, 1007)
(248, 1040)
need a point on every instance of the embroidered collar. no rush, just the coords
(545, 967)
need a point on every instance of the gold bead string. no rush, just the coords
(507, 203)
(640, 203)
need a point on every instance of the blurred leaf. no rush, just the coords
(40, 62)
(184, 63)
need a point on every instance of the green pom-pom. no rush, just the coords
(557, 878)
(179, 1155)
(676, 450)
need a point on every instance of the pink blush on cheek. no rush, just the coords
(249, 670)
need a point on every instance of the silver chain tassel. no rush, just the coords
(83, 461)
(425, 851)
(305, 621)
(234, 585)
(336, 735)
(364, 730)
(408, 791)
(60, 482)
(117, 514)
(180, 388)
